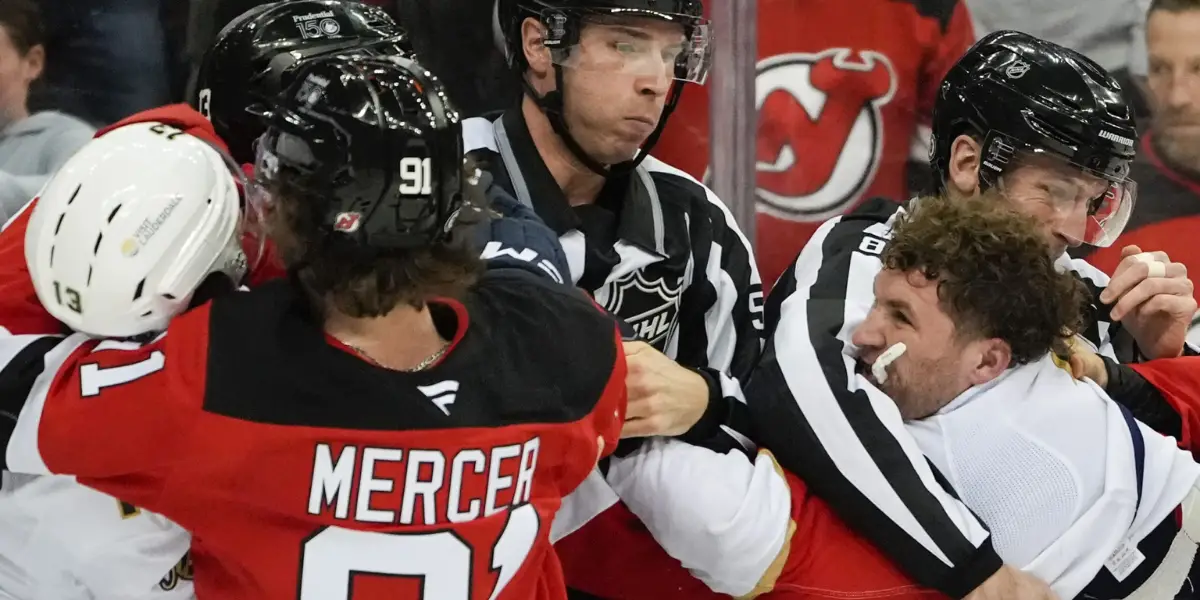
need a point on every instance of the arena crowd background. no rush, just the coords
(819, 103)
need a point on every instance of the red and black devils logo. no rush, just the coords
(820, 132)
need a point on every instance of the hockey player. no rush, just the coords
(1076, 491)
(243, 66)
(1050, 130)
(968, 307)
(370, 259)
(170, 206)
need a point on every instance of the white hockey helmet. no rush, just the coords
(127, 230)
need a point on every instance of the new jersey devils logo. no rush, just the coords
(820, 132)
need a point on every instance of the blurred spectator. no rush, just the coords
(107, 58)
(844, 90)
(31, 146)
(1107, 31)
(205, 20)
(1167, 213)
(455, 39)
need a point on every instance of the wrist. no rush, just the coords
(715, 412)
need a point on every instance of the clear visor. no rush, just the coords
(1095, 209)
(252, 206)
(675, 47)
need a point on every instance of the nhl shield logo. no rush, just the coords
(649, 305)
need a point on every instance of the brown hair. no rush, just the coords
(996, 278)
(23, 22)
(339, 274)
(1174, 6)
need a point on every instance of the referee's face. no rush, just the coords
(617, 82)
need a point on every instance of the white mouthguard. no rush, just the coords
(879, 369)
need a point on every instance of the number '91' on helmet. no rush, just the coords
(376, 146)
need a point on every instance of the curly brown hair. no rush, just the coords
(996, 278)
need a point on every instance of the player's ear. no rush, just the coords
(963, 173)
(991, 357)
(537, 55)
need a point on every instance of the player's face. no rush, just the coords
(932, 371)
(1059, 196)
(1173, 46)
(17, 72)
(616, 83)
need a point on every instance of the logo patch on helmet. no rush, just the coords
(1017, 70)
(347, 222)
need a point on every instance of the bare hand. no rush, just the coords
(1011, 584)
(664, 398)
(1156, 310)
(1085, 363)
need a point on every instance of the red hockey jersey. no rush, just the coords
(303, 471)
(841, 89)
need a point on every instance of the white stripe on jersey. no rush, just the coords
(61, 540)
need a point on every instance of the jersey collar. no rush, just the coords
(627, 195)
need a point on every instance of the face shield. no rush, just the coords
(636, 43)
(252, 223)
(1093, 189)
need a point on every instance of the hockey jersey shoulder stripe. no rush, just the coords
(660, 169)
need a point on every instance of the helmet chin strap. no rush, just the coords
(552, 105)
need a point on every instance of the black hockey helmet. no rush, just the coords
(1020, 94)
(376, 142)
(565, 19)
(254, 55)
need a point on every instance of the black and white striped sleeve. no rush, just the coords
(842, 435)
(721, 316)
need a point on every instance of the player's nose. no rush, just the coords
(868, 336)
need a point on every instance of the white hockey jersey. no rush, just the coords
(1049, 464)
(60, 540)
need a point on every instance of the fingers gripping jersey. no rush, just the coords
(301, 467)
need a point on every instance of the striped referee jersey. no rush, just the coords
(657, 249)
(851, 447)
